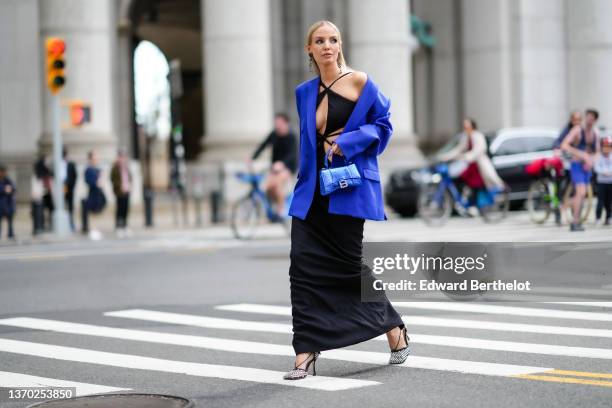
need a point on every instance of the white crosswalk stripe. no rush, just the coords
(446, 306)
(590, 304)
(508, 310)
(255, 308)
(201, 321)
(17, 380)
(178, 367)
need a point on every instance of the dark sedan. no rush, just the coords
(510, 150)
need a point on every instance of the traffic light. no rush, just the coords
(80, 113)
(55, 64)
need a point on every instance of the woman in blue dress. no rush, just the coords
(96, 200)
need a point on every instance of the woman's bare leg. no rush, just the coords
(395, 339)
(301, 360)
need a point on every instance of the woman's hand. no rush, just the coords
(335, 149)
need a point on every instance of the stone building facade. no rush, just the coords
(504, 62)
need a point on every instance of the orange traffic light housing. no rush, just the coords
(56, 79)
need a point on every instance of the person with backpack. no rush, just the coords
(581, 144)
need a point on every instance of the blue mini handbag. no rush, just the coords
(338, 178)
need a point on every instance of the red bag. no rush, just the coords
(471, 177)
(537, 167)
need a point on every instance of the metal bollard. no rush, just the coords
(84, 217)
(37, 217)
(215, 206)
(148, 203)
(198, 210)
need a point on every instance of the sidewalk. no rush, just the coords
(170, 226)
(167, 216)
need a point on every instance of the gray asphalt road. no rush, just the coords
(193, 316)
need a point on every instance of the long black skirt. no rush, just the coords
(325, 275)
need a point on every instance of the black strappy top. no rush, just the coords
(339, 110)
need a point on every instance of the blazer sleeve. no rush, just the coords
(375, 134)
(298, 100)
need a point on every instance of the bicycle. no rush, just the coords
(438, 195)
(247, 213)
(553, 182)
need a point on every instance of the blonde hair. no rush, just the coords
(341, 62)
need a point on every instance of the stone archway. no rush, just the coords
(174, 27)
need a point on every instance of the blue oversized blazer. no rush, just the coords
(365, 136)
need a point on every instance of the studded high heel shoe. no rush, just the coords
(398, 356)
(300, 373)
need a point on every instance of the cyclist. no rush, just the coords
(581, 144)
(284, 160)
(474, 166)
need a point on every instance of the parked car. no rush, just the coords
(510, 150)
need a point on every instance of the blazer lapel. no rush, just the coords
(311, 112)
(361, 107)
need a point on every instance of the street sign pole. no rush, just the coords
(61, 221)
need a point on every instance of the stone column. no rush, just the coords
(540, 73)
(20, 90)
(515, 65)
(237, 77)
(590, 56)
(89, 29)
(437, 73)
(379, 45)
(487, 62)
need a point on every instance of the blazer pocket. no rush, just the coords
(371, 174)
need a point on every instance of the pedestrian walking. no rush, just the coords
(44, 175)
(121, 179)
(581, 144)
(7, 201)
(69, 175)
(603, 168)
(350, 121)
(96, 200)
